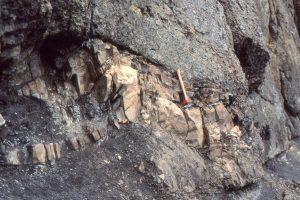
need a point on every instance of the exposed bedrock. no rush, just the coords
(96, 81)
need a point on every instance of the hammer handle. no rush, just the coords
(182, 85)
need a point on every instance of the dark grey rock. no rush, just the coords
(248, 49)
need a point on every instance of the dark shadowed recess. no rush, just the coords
(253, 59)
(55, 46)
(297, 14)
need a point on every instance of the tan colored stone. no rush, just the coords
(228, 167)
(57, 149)
(125, 79)
(214, 132)
(244, 146)
(196, 135)
(132, 103)
(125, 60)
(142, 167)
(81, 142)
(95, 135)
(116, 123)
(120, 115)
(81, 66)
(50, 150)
(87, 139)
(146, 117)
(73, 143)
(224, 117)
(39, 153)
(170, 116)
(37, 89)
(102, 132)
(14, 157)
(235, 132)
(124, 75)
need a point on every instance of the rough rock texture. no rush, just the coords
(98, 77)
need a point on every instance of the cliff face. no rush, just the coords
(90, 104)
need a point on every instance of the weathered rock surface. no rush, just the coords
(170, 116)
(2, 120)
(196, 135)
(102, 73)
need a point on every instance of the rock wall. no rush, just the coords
(72, 74)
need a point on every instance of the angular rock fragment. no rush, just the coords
(73, 143)
(38, 89)
(209, 115)
(50, 150)
(57, 149)
(196, 136)
(146, 117)
(81, 142)
(39, 153)
(131, 102)
(124, 75)
(82, 71)
(125, 80)
(87, 139)
(170, 116)
(102, 132)
(95, 135)
(120, 115)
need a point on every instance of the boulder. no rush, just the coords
(196, 136)
(124, 75)
(125, 79)
(170, 117)
(132, 102)
(39, 154)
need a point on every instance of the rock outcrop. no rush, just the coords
(94, 82)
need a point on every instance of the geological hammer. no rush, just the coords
(185, 101)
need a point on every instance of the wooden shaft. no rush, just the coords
(182, 85)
